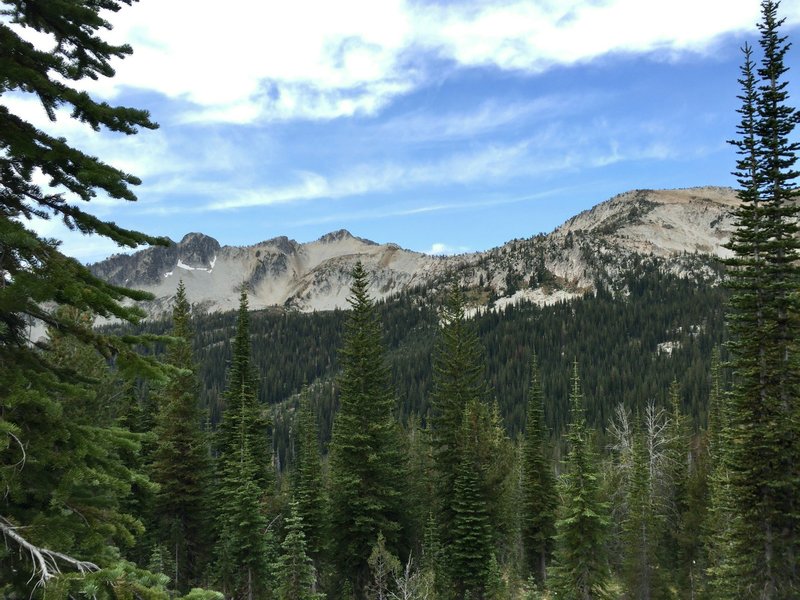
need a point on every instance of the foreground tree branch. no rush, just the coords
(45, 561)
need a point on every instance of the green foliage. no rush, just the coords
(245, 544)
(181, 465)
(580, 569)
(385, 568)
(309, 489)
(643, 526)
(538, 491)
(34, 271)
(295, 571)
(67, 468)
(764, 275)
(366, 464)
(471, 546)
(458, 371)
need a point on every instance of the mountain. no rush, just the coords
(678, 230)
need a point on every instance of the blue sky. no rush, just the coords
(443, 127)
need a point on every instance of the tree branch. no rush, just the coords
(45, 562)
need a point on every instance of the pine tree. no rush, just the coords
(763, 318)
(68, 471)
(539, 499)
(721, 524)
(580, 568)
(181, 464)
(367, 470)
(244, 478)
(242, 409)
(295, 575)
(312, 504)
(36, 276)
(458, 371)
(471, 549)
(642, 528)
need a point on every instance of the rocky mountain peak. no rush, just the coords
(340, 235)
(678, 230)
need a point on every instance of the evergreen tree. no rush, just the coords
(763, 318)
(642, 528)
(366, 463)
(47, 462)
(242, 409)
(458, 379)
(580, 569)
(181, 464)
(68, 471)
(471, 549)
(539, 499)
(309, 490)
(722, 521)
(676, 553)
(295, 571)
(244, 478)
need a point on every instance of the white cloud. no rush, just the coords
(445, 249)
(245, 61)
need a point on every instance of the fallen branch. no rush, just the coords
(45, 561)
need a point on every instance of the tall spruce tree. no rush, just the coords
(539, 499)
(36, 277)
(580, 567)
(459, 378)
(181, 464)
(642, 528)
(471, 549)
(366, 463)
(295, 575)
(763, 318)
(244, 478)
(309, 489)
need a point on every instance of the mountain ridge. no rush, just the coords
(682, 230)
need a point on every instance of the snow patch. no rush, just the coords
(184, 266)
(168, 274)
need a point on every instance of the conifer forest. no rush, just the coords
(403, 448)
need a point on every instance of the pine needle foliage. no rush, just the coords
(539, 498)
(580, 568)
(244, 477)
(181, 465)
(458, 379)
(309, 488)
(295, 575)
(366, 464)
(764, 276)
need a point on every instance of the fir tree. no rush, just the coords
(764, 276)
(580, 569)
(295, 571)
(642, 528)
(242, 409)
(366, 463)
(36, 276)
(244, 478)
(309, 488)
(471, 549)
(181, 464)
(458, 372)
(539, 499)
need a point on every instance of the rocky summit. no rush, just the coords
(683, 231)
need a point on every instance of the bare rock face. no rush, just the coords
(680, 231)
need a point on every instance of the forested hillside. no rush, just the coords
(632, 346)
(638, 439)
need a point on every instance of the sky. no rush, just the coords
(444, 127)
